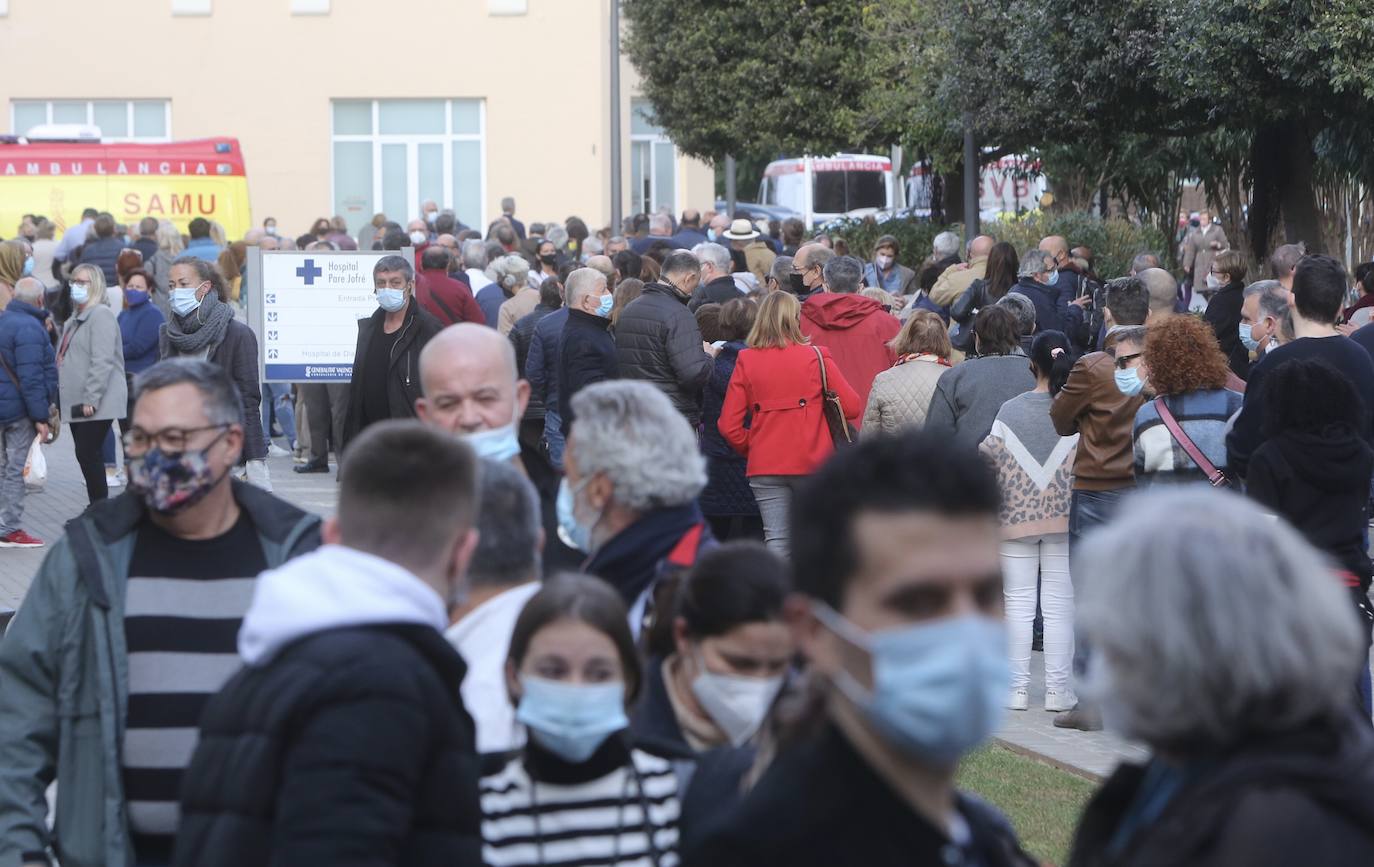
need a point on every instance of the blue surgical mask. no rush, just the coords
(135, 297)
(571, 720)
(1128, 382)
(604, 308)
(184, 301)
(711, 235)
(1053, 278)
(938, 687)
(573, 533)
(81, 293)
(497, 444)
(1247, 336)
(28, 266)
(391, 300)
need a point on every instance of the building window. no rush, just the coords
(653, 163)
(391, 155)
(119, 120)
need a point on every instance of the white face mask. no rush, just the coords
(418, 237)
(737, 704)
(1213, 282)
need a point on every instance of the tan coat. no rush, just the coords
(1199, 248)
(516, 307)
(952, 283)
(759, 257)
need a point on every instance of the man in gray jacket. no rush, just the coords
(657, 338)
(130, 626)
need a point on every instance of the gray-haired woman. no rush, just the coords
(513, 272)
(90, 374)
(202, 325)
(1229, 649)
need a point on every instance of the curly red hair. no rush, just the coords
(1183, 355)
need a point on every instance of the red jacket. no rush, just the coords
(447, 299)
(856, 330)
(781, 390)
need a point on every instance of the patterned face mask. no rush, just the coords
(170, 482)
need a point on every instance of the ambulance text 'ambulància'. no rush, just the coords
(175, 181)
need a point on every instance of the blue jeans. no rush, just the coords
(15, 440)
(1088, 510)
(553, 437)
(276, 403)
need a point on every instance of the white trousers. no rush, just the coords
(1023, 560)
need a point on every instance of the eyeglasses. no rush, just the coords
(1123, 360)
(172, 439)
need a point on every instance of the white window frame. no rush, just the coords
(654, 139)
(412, 141)
(90, 117)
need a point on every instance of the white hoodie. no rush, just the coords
(331, 587)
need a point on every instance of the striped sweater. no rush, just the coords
(538, 809)
(1034, 467)
(1204, 416)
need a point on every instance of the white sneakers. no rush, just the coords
(1056, 701)
(276, 451)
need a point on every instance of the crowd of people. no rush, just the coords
(703, 543)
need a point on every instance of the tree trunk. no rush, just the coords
(1297, 190)
(954, 195)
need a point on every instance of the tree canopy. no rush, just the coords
(1263, 100)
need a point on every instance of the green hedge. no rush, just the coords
(1114, 242)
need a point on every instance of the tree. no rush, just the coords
(760, 78)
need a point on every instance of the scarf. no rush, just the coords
(200, 332)
(922, 356)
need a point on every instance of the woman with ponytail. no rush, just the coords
(1035, 470)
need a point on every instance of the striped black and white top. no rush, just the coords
(182, 610)
(582, 815)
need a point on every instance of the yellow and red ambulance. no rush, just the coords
(175, 181)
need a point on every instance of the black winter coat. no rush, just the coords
(820, 803)
(586, 354)
(350, 747)
(1223, 314)
(718, 291)
(1306, 797)
(403, 385)
(658, 341)
(522, 336)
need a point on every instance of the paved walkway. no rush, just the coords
(64, 496)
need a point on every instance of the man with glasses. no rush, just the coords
(1099, 402)
(806, 277)
(130, 626)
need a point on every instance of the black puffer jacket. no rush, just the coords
(351, 747)
(403, 385)
(1306, 797)
(658, 341)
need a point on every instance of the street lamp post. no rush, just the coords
(973, 178)
(616, 194)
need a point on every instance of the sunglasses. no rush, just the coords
(1123, 360)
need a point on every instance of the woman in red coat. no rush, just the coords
(777, 385)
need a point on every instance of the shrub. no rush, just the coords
(1114, 242)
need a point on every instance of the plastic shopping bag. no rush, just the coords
(36, 469)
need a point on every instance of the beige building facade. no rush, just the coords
(355, 108)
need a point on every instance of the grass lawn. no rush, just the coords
(1042, 801)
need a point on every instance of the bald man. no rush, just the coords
(1163, 292)
(956, 279)
(469, 386)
